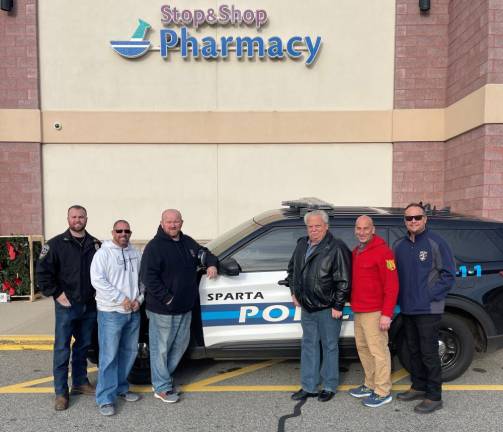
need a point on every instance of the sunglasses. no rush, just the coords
(123, 231)
(414, 217)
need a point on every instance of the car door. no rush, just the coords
(250, 308)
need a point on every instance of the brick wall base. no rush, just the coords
(20, 188)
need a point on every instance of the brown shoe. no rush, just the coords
(85, 389)
(61, 402)
(427, 406)
(411, 395)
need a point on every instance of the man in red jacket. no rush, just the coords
(373, 298)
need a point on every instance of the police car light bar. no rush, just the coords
(309, 203)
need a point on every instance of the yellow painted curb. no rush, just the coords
(26, 347)
(26, 342)
(27, 338)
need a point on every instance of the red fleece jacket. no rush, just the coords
(375, 279)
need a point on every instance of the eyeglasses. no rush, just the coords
(123, 231)
(414, 217)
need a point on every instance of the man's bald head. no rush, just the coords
(171, 223)
(364, 228)
(171, 212)
(364, 219)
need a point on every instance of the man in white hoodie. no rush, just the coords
(114, 275)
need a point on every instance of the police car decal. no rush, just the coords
(257, 313)
(252, 307)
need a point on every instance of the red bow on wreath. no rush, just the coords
(6, 285)
(11, 251)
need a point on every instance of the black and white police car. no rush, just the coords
(246, 314)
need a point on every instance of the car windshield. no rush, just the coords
(223, 242)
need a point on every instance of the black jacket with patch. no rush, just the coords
(169, 273)
(323, 280)
(64, 266)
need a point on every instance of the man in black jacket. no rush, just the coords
(63, 273)
(319, 280)
(169, 273)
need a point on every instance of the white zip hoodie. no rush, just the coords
(114, 275)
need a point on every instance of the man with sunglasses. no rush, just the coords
(114, 275)
(426, 272)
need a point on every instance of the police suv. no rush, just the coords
(245, 313)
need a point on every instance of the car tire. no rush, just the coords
(139, 376)
(140, 372)
(456, 347)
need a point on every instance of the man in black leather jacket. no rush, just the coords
(319, 275)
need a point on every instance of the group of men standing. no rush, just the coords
(107, 282)
(323, 275)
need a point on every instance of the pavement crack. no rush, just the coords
(296, 413)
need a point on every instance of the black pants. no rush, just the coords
(421, 332)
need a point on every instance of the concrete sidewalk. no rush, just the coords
(24, 320)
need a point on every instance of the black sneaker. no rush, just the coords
(325, 395)
(302, 394)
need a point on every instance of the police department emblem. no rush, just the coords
(423, 255)
(44, 251)
(390, 265)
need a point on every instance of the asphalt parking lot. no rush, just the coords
(245, 396)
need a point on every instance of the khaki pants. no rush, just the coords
(372, 345)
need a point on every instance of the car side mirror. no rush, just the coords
(283, 282)
(230, 267)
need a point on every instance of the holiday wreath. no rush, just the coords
(16, 257)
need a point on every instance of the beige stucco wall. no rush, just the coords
(354, 70)
(224, 178)
(215, 186)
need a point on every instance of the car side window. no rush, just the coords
(346, 234)
(471, 245)
(271, 251)
(396, 233)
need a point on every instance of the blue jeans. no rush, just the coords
(169, 337)
(118, 337)
(319, 327)
(78, 321)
